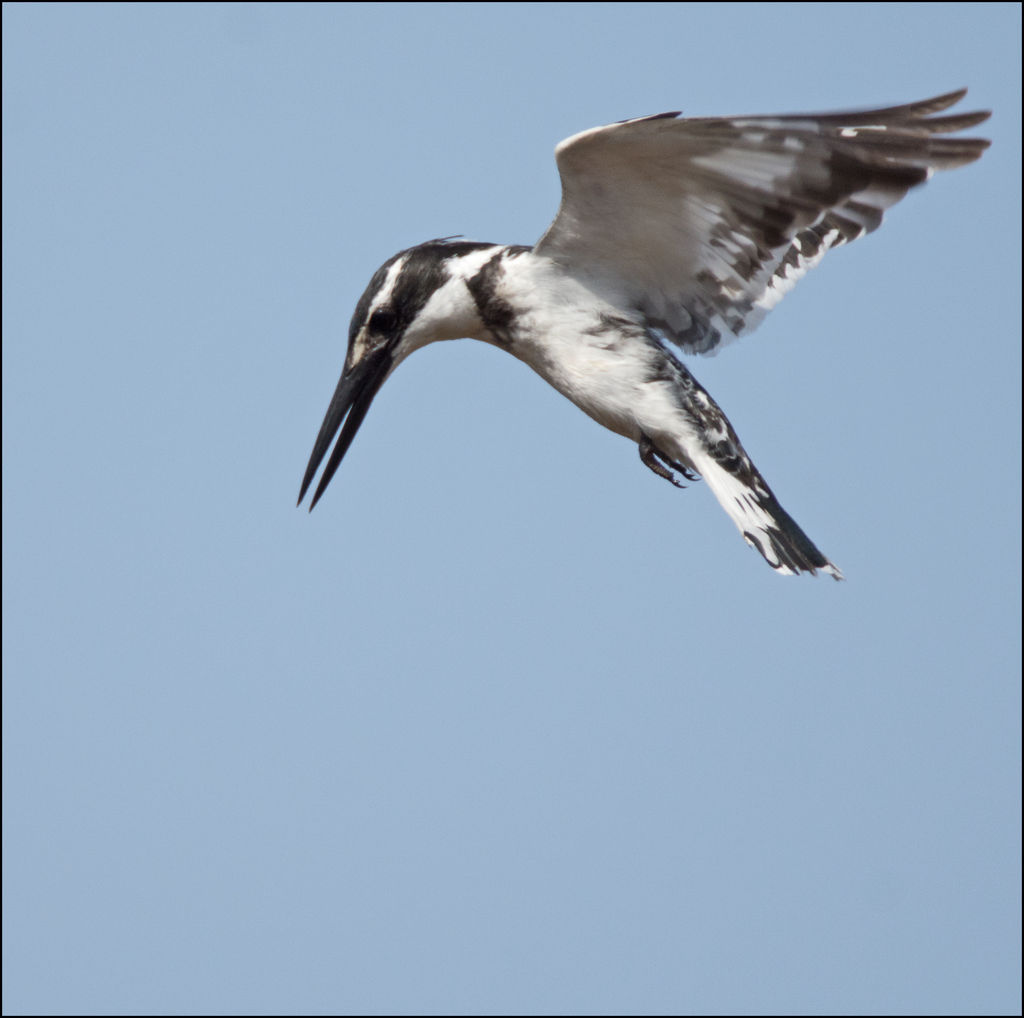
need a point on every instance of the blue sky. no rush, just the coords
(508, 724)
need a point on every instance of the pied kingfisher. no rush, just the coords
(673, 235)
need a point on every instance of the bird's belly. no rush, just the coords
(617, 384)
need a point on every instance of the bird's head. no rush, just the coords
(414, 298)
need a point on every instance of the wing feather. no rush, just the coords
(703, 224)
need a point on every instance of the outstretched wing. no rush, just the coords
(704, 224)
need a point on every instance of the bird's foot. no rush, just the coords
(662, 465)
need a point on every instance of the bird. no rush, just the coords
(674, 236)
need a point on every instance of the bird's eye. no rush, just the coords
(382, 320)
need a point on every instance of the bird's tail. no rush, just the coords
(708, 444)
(765, 525)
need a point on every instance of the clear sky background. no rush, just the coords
(508, 724)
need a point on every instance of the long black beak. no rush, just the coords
(352, 398)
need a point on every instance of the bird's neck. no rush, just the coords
(468, 298)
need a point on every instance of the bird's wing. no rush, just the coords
(704, 224)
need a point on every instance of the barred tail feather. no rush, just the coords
(762, 521)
